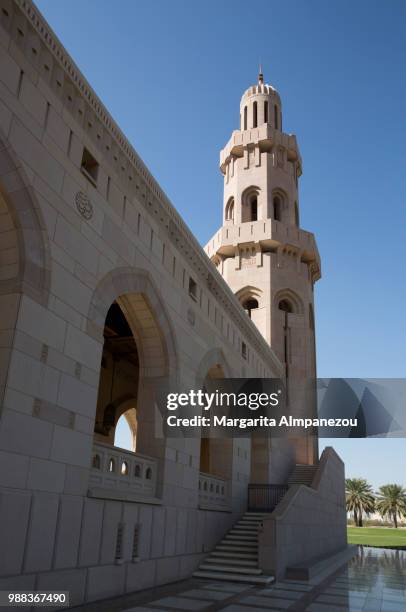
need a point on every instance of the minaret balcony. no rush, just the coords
(265, 136)
(269, 233)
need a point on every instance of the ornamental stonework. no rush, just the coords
(84, 205)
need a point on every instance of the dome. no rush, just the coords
(260, 89)
(260, 104)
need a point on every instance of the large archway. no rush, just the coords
(24, 249)
(138, 357)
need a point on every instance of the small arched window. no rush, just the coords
(266, 111)
(275, 114)
(245, 117)
(230, 210)
(285, 305)
(277, 208)
(249, 305)
(296, 215)
(255, 115)
(250, 205)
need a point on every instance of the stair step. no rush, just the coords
(242, 538)
(235, 555)
(239, 544)
(252, 571)
(237, 548)
(228, 561)
(262, 580)
(246, 527)
(244, 532)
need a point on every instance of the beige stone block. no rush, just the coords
(24, 434)
(68, 532)
(36, 156)
(38, 322)
(71, 447)
(41, 536)
(77, 396)
(14, 514)
(33, 100)
(57, 129)
(9, 72)
(46, 475)
(68, 238)
(13, 470)
(66, 312)
(58, 581)
(81, 347)
(105, 581)
(32, 377)
(70, 290)
(92, 521)
(76, 480)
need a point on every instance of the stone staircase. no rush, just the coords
(236, 557)
(302, 474)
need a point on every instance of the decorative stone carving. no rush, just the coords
(84, 205)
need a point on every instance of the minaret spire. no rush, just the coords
(260, 75)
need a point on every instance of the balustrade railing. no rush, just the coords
(213, 491)
(121, 470)
(265, 497)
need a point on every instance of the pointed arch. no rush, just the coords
(279, 203)
(138, 297)
(229, 210)
(24, 252)
(289, 301)
(250, 204)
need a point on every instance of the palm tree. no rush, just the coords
(359, 498)
(391, 502)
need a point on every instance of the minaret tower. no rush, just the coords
(269, 262)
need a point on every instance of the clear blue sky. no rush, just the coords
(171, 72)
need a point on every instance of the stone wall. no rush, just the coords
(309, 522)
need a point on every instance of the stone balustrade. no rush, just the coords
(122, 472)
(213, 492)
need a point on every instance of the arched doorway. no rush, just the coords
(138, 358)
(119, 376)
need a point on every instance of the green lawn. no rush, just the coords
(377, 536)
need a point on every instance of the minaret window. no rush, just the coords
(230, 210)
(250, 211)
(245, 117)
(255, 115)
(275, 111)
(249, 305)
(265, 112)
(285, 305)
(277, 208)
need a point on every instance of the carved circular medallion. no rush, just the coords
(84, 205)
